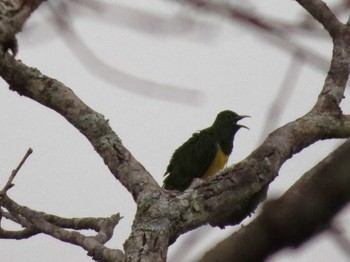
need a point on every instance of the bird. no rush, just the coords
(204, 153)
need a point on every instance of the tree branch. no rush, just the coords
(304, 211)
(9, 184)
(13, 16)
(55, 95)
(321, 12)
(53, 226)
(20, 234)
(38, 222)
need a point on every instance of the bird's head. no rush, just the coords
(226, 122)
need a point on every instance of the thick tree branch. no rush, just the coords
(304, 211)
(55, 95)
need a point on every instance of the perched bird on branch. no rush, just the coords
(205, 153)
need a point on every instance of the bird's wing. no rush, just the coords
(191, 160)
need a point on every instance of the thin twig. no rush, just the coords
(14, 173)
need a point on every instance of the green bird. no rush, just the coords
(205, 153)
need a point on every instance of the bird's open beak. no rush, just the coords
(241, 117)
(243, 126)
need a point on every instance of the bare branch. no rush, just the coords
(304, 211)
(55, 95)
(47, 224)
(337, 77)
(104, 226)
(20, 234)
(321, 12)
(14, 173)
(16, 218)
(13, 16)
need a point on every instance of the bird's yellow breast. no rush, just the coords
(219, 162)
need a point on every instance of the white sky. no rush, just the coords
(232, 67)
